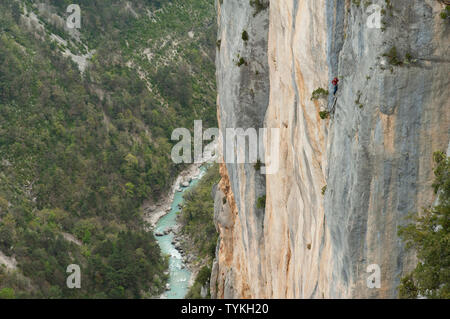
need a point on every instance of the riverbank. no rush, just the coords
(153, 212)
(164, 222)
(163, 219)
(198, 234)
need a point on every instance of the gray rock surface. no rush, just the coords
(242, 101)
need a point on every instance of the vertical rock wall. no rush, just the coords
(243, 86)
(389, 120)
(295, 221)
(374, 153)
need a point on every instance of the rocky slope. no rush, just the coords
(373, 153)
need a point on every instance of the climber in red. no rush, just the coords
(335, 83)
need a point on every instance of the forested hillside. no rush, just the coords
(197, 218)
(85, 123)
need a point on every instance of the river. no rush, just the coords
(179, 275)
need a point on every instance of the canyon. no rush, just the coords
(346, 181)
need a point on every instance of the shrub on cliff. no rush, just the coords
(429, 236)
(245, 36)
(324, 114)
(393, 57)
(259, 6)
(241, 61)
(319, 93)
(445, 13)
(261, 202)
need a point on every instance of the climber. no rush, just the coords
(335, 83)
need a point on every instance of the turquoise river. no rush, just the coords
(179, 275)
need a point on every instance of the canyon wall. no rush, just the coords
(345, 183)
(243, 83)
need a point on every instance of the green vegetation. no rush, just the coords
(396, 60)
(197, 214)
(358, 98)
(261, 202)
(7, 293)
(324, 189)
(241, 61)
(197, 218)
(257, 165)
(324, 114)
(259, 6)
(388, 4)
(79, 153)
(445, 13)
(367, 3)
(429, 236)
(319, 93)
(245, 36)
(201, 281)
(392, 56)
(409, 59)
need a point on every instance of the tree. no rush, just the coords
(16, 11)
(7, 293)
(429, 236)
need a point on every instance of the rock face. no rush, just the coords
(373, 154)
(243, 100)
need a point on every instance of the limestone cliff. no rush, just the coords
(373, 153)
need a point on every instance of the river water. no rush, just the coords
(179, 275)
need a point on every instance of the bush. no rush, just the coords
(201, 281)
(7, 293)
(241, 61)
(395, 59)
(257, 165)
(445, 13)
(319, 93)
(259, 6)
(392, 56)
(324, 114)
(245, 36)
(261, 202)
